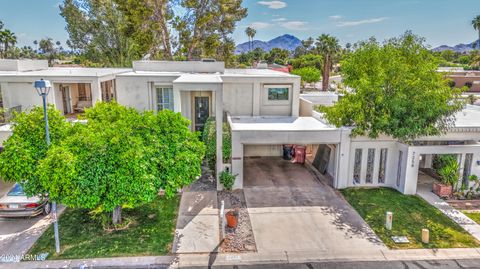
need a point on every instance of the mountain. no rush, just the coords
(287, 42)
(457, 48)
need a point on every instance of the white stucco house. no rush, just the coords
(263, 108)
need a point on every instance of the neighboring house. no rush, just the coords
(462, 78)
(263, 108)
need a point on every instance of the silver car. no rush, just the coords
(16, 204)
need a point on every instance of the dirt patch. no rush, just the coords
(240, 239)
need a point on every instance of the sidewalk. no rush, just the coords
(204, 260)
(465, 222)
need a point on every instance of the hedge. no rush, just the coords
(209, 138)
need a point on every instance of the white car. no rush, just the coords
(16, 204)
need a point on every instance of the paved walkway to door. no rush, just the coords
(424, 190)
(292, 211)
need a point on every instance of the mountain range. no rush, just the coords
(287, 42)
(457, 48)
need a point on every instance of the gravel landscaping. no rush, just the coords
(240, 239)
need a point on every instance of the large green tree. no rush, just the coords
(328, 47)
(96, 28)
(27, 146)
(121, 157)
(396, 91)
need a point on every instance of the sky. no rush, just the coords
(439, 21)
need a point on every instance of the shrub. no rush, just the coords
(442, 160)
(468, 84)
(449, 174)
(227, 179)
(308, 74)
(209, 138)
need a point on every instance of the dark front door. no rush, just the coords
(201, 112)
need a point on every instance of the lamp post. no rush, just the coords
(43, 89)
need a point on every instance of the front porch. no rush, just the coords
(73, 98)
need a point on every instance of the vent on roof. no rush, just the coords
(208, 60)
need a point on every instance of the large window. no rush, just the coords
(164, 98)
(383, 165)
(278, 94)
(370, 164)
(357, 165)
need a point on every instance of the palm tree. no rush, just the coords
(7, 38)
(476, 26)
(328, 47)
(251, 32)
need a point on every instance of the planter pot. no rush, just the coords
(232, 219)
(442, 190)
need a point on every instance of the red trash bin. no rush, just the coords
(300, 154)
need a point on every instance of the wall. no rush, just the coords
(179, 66)
(22, 65)
(22, 94)
(5, 133)
(136, 91)
(262, 150)
(306, 108)
(461, 78)
(238, 98)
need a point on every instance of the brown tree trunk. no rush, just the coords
(117, 215)
(326, 73)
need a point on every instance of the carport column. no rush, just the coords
(411, 172)
(343, 160)
(237, 160)
(219, 132)
(177, 100)
(96, 91)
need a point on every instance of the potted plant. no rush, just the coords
(449, 176)
(228, 179)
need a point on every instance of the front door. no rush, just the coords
(201, 112)
(67, 105)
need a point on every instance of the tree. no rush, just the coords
(95, 28)
(27, 147)
(396, 91)
(328, 47)
(308, 60)
(277, 55)
(308, 74)
(476, 26)
(206, 26)
(121, 157)
(250, 32)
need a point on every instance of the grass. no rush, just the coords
(410, 215)
(151, 232)
(475, 216)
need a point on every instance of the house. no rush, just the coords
(470, 79)
(263, 108)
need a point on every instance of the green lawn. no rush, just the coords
(475, 216)
(410, 214)
(151, 233)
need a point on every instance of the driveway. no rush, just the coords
(291, 210)
(17, 235)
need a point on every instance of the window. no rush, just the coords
(382, 166)
(82, 92)
(370, 164)
(278, 94)
(357, 168)
(164, 98)
(399, 168)
(109, 92)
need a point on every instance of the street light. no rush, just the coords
(43, 89)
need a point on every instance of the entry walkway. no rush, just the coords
(424, 190)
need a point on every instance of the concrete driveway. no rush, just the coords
(292, 211)
(17, 235)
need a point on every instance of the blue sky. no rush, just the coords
(439, 21)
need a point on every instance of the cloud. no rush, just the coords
(336, 17)
(273, 4)
(260, 25)
(360, 22)
(279, 19)
(294, 25)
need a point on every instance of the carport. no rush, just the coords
(257, 147)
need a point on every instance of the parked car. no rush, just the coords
(16, 204)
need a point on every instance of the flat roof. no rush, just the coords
(198, 78)
(66, 71)
(468, 117)
(277, 123)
